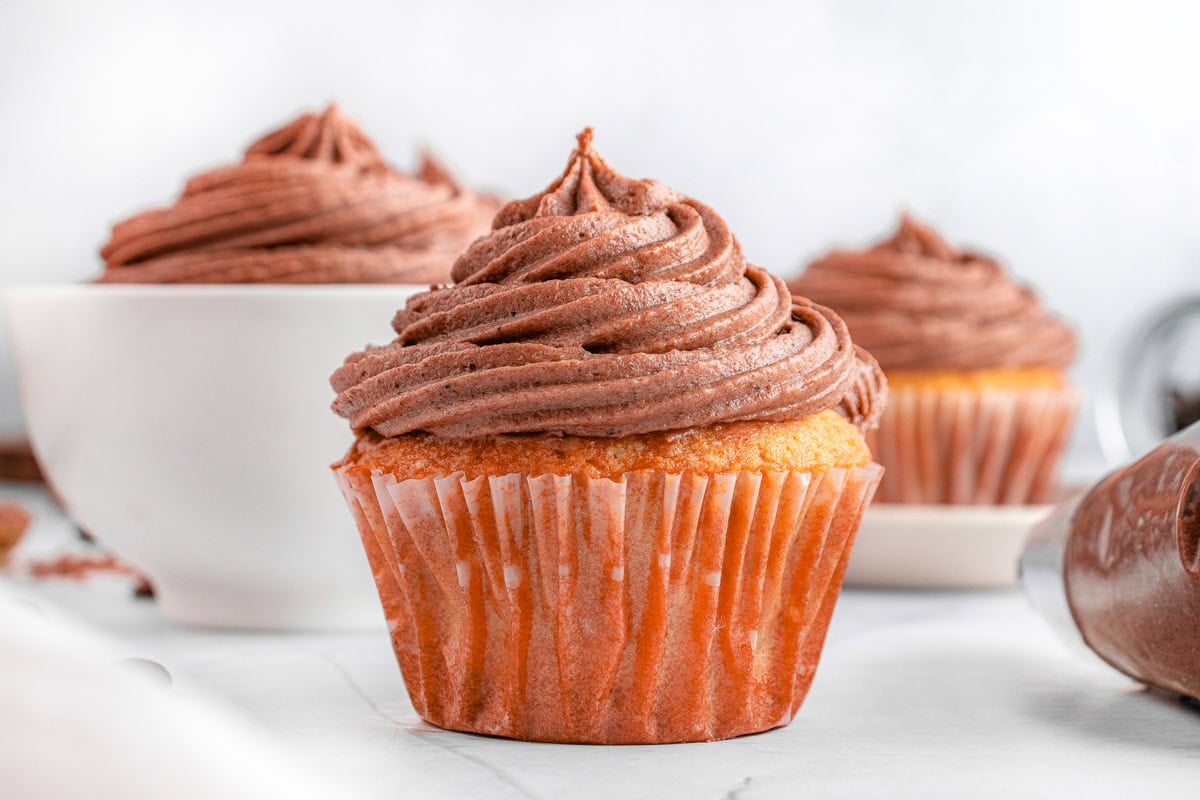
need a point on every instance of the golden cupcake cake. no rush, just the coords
(980, 407)
(312, 202)
(608, 479)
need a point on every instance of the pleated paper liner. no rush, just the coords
(656, 608)
(972, 447)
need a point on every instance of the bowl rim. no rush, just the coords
(209, 290)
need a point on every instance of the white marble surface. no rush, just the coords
(918, 695)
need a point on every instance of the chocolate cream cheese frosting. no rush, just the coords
(313, 202)
(918, 303)
(606, 306)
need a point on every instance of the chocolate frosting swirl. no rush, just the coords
(606, 306)
(918, 303)
(313, 202)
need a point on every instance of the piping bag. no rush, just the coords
(1117, 568)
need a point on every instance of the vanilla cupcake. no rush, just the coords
(609, 479)
(313, 202)
(980, 406)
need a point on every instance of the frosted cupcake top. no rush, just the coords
(313, 202)
(918, 303)
(606, 306)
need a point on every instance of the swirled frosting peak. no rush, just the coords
(313, 202)
(605, 306)
(919, 303)
(330, 136)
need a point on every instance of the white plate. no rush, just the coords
(940, 547)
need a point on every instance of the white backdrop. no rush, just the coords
(1063, 136)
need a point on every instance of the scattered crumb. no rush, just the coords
(78, 566)
(14, 520)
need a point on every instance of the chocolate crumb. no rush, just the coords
(14, 521)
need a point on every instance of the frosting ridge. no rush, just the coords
(312, 202)
(919, 303)
(605, 306)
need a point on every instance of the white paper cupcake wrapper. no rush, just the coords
(655, 608)
(964, 447)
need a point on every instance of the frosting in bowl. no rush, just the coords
(606, 306)
(313, 202)
(918, 303)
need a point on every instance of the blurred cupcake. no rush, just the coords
(313, 202)
(980, 407)
(609, 479)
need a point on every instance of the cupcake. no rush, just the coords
(980, 407)
(313, 202)
(608, 480)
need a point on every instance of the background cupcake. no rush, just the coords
(980, 408)
(313, 202)
(607, 481)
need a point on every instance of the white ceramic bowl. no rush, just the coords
(189, 429)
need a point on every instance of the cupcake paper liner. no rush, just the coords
(655, 608)
(963, 447)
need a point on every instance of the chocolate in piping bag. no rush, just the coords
(1118, 567)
